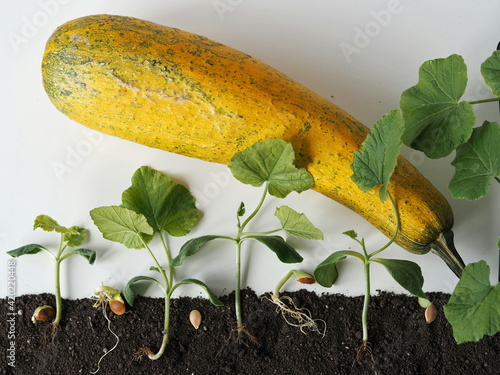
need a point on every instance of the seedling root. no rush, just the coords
(297, 317)
(143, 352)
(239, 335)
(243, 333)
(56, 328)
(364, 351)
(103, 303)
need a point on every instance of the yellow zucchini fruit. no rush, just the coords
(177, 91)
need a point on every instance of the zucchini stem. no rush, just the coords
(366, 268)
(58, 259)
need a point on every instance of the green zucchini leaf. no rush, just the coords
(351, 233)
(165, 204)
(407, 274)
(271, 162)
(375, 161)
(297, 224)
(213, 298)
(490, 70)
(26, 250)
(90, 255)
(48, 224)
(284, 252)
(191, 247)
(122, 225)
(326, 272)
(75, 239)
(129, 293)
(476, 163)
(436, 121)
(473, 309)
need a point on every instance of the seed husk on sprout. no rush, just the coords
(43, 313)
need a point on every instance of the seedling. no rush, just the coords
(384, 140)
(296, 316)
(69, 238)
(104, 296)
(268, 164)
(153, 205)
(439, 122)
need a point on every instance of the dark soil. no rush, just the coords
(401, 342)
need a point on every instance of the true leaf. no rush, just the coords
(326, 272)
(166, 205)
(75, 239)
(48, 224)
(271, 162)
(375, 161)
(213, 298)
(351, 233)
(476, 163)
(437, 122)
(191, 247)
(153, 268)
(122, 225)
(407, 274)
(297, 224)
(285, 252)
(90, 255)
(241, 209)
(128, 291)
(27, 249)
(490, 70)
(473, 309)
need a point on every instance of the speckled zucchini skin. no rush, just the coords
(181, 92)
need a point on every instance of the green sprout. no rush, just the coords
(292, 314)
(153, 205)
(69, 239)
(437, 122)
(268, 164)
(384, 141)
(105, 296)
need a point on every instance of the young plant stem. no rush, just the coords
(58, 260)
(366, 266)
(168, 280)
(237, 291)
(366, 303)
(166, 327)
(485, 100)
(239, 239)
(252, 215)
(282, 282)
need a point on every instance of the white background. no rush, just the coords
(360, 54)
